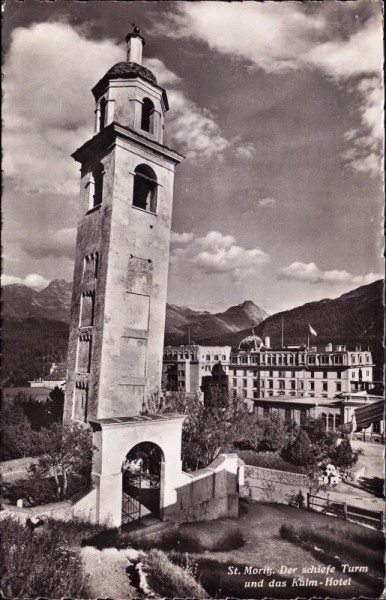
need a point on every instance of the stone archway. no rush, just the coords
(114, 439)
(141, 482)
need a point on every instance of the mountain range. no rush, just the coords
(35, 325)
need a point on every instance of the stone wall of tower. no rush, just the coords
(125, 339)
(136, 287)
(93, 240)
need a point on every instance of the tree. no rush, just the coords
(299, 451)
(209, 428)
(62, 450)
(344, 457)
(16, 432)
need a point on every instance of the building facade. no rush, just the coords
(191, 368)
(259, 371)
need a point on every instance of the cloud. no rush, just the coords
(310, 273)
(181, 238)
(163, 74)
(190, 128)
(49, 109)
(48, 106)
(280, 37)
(60, 243)
(216, 253)
(247, 151)
(364, 153)
(193, 129)
(267, 202)
(33, 280)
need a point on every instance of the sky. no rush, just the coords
(277, 107)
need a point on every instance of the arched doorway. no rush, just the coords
(141, 482)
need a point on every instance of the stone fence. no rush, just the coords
(82, 506)
(209, 493)
(17, 466)
(271, 485)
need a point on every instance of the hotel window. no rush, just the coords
(270, 383)
(353, 359)
(338, 387)
(186, 355)
(324, 360)
(281, 385)
(281, 373)
(224, 357)
(324, 387)
(311, 360)
(367, 358)
(244, 360)
(208, 357)
(255, 394)
(216, 357)
(293, 385)
(339, 375)
(255, 383)
(245, 383)
(312, 385)
(244, 393)
(244, 373)
(262, 383)
(271, 373)
(234, 359)
(301, 385)
(234, 372)
(325, 375)
(234, 382)
(312, 374)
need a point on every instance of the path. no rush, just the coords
(107, 573)
(367, 491)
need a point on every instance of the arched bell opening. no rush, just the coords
(141, 482)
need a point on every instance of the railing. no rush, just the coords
(346, 511)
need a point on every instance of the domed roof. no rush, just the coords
(123, 70)
(250, 342)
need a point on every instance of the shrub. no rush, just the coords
(340, 537)
(36, 491)
(268, 460)
(36, 564)
(171, 580)
(198, 541)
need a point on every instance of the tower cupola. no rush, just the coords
(130, 95)
(135, 43)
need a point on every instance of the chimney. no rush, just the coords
(329, 347)
(267, 341)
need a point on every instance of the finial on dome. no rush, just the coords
(135, 43)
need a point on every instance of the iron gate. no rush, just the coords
(131, 497)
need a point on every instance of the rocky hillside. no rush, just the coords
(53, 303)
(182, 322)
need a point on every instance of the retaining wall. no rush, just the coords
(271, 485)
(82, 505)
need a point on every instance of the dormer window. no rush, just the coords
(147, 119)
(145, 188)
(102, 114)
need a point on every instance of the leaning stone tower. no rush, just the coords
(122, 246)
